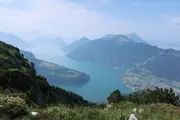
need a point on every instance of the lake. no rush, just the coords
(103, 79)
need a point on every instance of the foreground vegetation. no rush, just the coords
(16, 108)
(147, 96)
(158, 104)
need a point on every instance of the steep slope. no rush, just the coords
(13, 40)
(165, 65)
(56, 74)
(72, 46)
(17, 74)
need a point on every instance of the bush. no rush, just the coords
(12, 107)
(114, 96)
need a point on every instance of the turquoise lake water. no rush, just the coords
(103, 79)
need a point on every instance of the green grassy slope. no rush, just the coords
(117, 111)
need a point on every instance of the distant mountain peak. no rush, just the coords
(118, 38)
(135, 37)
(121, 39)
(109, 36)
(84, 39)
(132, 37)
(75, 44)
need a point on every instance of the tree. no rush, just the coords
(115, 96)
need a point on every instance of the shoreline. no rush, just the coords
(139, 82)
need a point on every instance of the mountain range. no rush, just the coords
(127, 52)
(72, 46)
(117, 50)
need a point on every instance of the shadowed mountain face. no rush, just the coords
(123, 51)
(13, 40)
(165, 65)
(72, 46)
(17, 74)
(117, 51)
(56, 74)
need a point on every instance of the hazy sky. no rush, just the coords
(157, 21)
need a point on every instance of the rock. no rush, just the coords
(132, 117)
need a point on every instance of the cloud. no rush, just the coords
(68, 19)
(55, 17)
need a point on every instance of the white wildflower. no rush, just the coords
(132, 117)
(34, 113)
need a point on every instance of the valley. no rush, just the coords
(103, 79)
(146, 66)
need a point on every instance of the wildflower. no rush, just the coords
(34, 113)
(132, 117)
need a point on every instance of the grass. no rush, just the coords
(15, 106)
(117, 112)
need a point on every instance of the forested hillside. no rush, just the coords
(17, 74)
(56, 74)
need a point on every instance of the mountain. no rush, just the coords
(133, 37)
(165, 65)
(56, 74)
(18, 75)
(117, 51)
(120, 51)
(72, 46)
(13, 40)
(136, 38)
